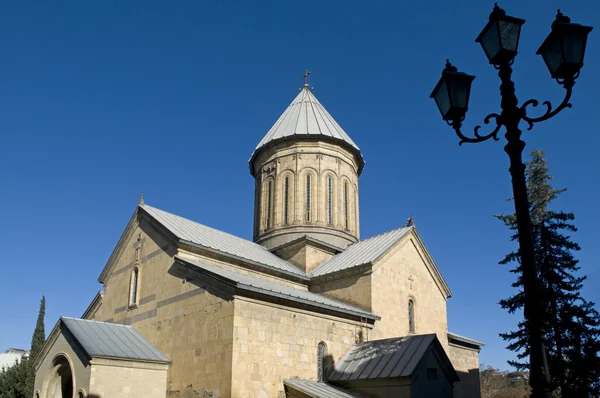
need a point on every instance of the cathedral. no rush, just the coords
(306, 309)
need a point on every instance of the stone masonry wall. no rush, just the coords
(272, 343)
(185, 321)
(399, 276)
(354, 290)
(126, 379)
(466, 364)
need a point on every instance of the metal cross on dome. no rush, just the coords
(305, 77)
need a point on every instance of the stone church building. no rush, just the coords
(306, 309)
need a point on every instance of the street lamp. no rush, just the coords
(563, 52)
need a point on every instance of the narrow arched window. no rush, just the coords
(411, 316)
(346, 205)
(308, 197)
(286, 199)
(329, 200)
(321, 353)
(269, 202)
(135, 281)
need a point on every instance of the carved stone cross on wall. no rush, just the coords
(410, 278)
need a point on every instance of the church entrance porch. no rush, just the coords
(60, 379)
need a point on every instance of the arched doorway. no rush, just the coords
(60, 379)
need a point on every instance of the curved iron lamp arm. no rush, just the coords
(568, 85)
(456, 125)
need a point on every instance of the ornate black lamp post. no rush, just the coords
(562, 52)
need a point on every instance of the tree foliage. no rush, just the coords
(17, 381)
(497, 384)
(571, 324)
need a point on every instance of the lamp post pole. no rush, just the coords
(563, 52)
(538, 366)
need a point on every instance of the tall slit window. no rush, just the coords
(346, 205)
(321, 353)
(286, 198)
(269, 202)
(411, 316)
(308, 197)
(135, 279)
(329, 200)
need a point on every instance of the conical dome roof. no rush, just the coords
(305, 116)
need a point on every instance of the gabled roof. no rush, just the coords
(214, 240)
(306, 117)
(273, 289)
(317, 389)
(390, 358)
(112, 340)
(363, 252)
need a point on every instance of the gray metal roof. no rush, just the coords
(306, 116)
(112, 340)
(279, 290)
(464, 339)
(380, 359)
(316, 389)
(363, 252)
(220, 241)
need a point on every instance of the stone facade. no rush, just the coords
(466, 363)
(272, 343)
(189, 323)
(124, 379)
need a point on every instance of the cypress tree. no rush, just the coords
(39, 335)
(570, 324)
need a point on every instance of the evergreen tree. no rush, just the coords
(39, 334)
(570, 324)
(18, 380)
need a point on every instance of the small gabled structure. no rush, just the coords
(84, 358)
(411, 366)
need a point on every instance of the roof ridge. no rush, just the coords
(380, 234)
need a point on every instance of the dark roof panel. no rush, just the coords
(381, 359)
(318, 389)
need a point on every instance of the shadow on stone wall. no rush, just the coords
(468, 386)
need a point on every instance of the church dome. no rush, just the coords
(305, 117)
(306, 170)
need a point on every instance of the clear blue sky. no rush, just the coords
(100, 101)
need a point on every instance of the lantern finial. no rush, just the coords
(560, 18)
(497, 13)
(449, 67)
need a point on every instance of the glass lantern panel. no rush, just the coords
(509, 34)
(552, 53)
(459, 90)
(442, 99)
(574, 46)
(490, 41)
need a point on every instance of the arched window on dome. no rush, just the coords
(411, 316)
(329, 200)
(321, 353)
(346, 206)
(286, 200)
(308, 193)
(269, 204)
